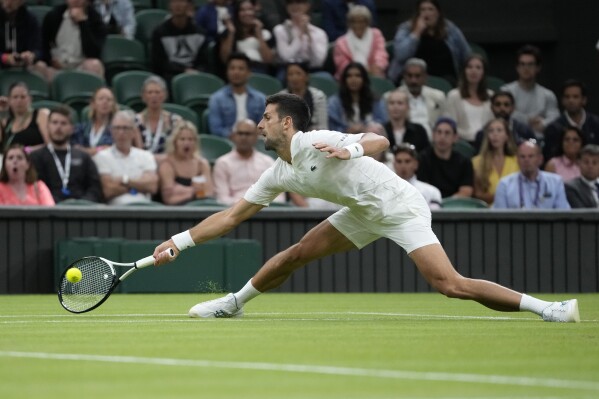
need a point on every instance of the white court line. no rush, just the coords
(317, 369)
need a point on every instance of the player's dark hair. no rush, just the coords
(292, 106)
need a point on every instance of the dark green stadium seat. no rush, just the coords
(183, 111)
(380, 86)
(139, 5)
(204, 123)
(127, 88)
(265, 83)
(477, 49)
(439, 83)
(390, 47)
(147, 21)
(38, 88)
(121, 54)
(213, 147)
(463, 203)
(494, 83)
(75, 88)
(54, 104)
(39, 11)
(192, 89)
(325, 83)
(464, 148)
(205, 202)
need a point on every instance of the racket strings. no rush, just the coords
(96, 281)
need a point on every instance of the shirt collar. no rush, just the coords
(582, 120)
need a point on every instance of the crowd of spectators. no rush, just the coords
(508, 148)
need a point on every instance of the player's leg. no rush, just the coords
(433, 264)
(321, 241)
(435, 267)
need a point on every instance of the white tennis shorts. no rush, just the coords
(403, 217)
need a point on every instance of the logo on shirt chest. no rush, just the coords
(313, 168)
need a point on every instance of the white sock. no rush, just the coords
(247, 293)
(532, 304)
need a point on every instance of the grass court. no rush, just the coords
(295, 346)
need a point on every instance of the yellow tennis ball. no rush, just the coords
(74, 275)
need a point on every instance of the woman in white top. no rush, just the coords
(469, 104)
(246, 34)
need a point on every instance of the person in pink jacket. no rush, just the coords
(361, 44)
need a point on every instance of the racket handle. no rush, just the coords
(149, 260)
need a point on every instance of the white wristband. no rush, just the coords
(355, 150)
(183, 240)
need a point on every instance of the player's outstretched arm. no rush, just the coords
(212, 227)
(369, 144)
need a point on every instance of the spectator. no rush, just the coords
(433, 38)
(574, 101)
(531, 188)
(184, 174)
(18, 180)
(73, 36)
(298, 40)
(443, 167)
(118, 17)
(271, 12)
(298, 81)
(68, 172)
(94, 134)
(334, 15)
(354, 109)
(177, 43)
(565, 163)
(237, 170)
(128, 174)
(426, 104)
(399, 129)
(23, 125)
(535, 105)
(20, 40)
(154, 123)
(212, 16)
(361, 44)
(245, 34)
(236, 101)
(469, 104)
(583, 191)
(497, 158)
(502, 106)
(405, 163)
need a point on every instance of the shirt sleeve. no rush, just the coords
(266, 189)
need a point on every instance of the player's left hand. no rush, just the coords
(334, 152)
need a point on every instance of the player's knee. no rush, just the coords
(452, 288)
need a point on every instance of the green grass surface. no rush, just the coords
(295, 346)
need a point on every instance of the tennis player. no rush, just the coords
(337, 167)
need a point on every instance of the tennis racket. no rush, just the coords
(98, 281)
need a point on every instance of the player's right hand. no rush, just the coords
(161, 256)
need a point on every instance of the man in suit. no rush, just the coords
(583, 191)
(426, 103)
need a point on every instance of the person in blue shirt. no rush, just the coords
(531, 188)
(235, 101)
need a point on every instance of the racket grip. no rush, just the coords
(149, 260)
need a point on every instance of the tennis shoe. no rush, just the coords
(562, 312)
(225, 307)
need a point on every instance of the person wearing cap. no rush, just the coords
(405, 163)
(443, 167)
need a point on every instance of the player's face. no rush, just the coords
(589, 166)
(271, 127)
(405, 165)
(573, 100)
(59, 128)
